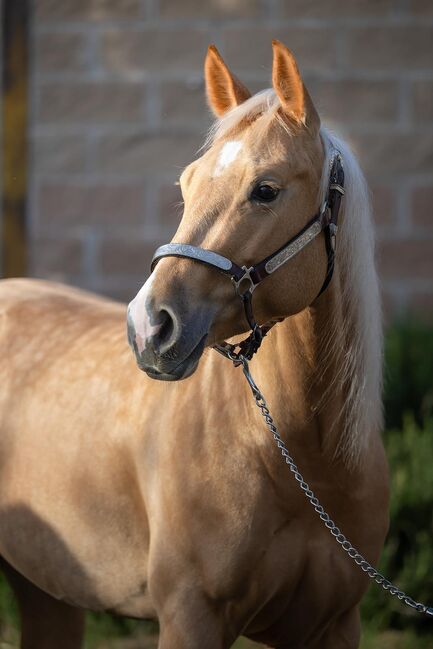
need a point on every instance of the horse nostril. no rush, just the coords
(166, 323)
(168, 330)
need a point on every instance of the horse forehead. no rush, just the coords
(226, 155)
(251, 149)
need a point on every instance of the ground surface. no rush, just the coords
(388, 640)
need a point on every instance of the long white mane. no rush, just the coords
(359, 344)
(361, 368)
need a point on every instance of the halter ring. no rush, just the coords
(245, 277)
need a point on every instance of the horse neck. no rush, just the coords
(303, 375)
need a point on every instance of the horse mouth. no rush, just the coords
(180, 370)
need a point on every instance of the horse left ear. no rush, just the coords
(224, 91)
(295, 100)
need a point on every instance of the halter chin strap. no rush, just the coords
(245, 279)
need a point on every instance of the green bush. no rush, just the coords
(408, 555)
(408, 373)
(407, 559)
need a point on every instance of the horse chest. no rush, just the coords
(247, 542)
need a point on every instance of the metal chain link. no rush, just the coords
(353, 553)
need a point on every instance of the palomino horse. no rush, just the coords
(169, 499)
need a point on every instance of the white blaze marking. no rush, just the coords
(140, 317)
(228, 154)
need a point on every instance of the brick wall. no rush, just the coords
(118, 109)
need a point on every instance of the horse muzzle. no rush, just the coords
(167, 346)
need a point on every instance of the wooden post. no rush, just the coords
(15, 42)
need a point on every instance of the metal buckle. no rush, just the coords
(338, 188)
(246, 276)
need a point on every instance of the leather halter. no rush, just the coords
(325, 220)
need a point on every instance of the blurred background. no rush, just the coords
(102, 106)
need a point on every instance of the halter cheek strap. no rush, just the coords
(245, 279)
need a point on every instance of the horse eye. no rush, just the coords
(264, 193)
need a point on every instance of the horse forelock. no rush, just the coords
(263, 104)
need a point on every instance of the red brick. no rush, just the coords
(173, 48)
(357, 101)
(184, 103)
(250, 48)
(56, 257)
(422, 101)
(420, 304)
(59, 153)
(87, 10)
(155, 50)
(126, 256)
(61, 52)
(142, 154)
(331, 8)
(395, 153)
(422, 207)
(406, 259)
(69, 205)
(421, 7)
(90, 102)
(194, 9)
(407, 47)
(384, 203)
(118, 288)
(391, 307)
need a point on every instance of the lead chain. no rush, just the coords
(353, 553)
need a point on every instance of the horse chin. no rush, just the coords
(181, 370)
(177, 375)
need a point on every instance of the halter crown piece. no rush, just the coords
(245, 280)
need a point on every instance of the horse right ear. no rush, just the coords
(295, 100)
(224, 91)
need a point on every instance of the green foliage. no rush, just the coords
(8, 614)
(102, 626)
(408, 555)
(371, 639)
(408, 373)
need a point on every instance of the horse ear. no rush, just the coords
(295, 100)
(224, 91)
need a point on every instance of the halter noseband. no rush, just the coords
(326, 219)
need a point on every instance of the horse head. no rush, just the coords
(255, 187)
